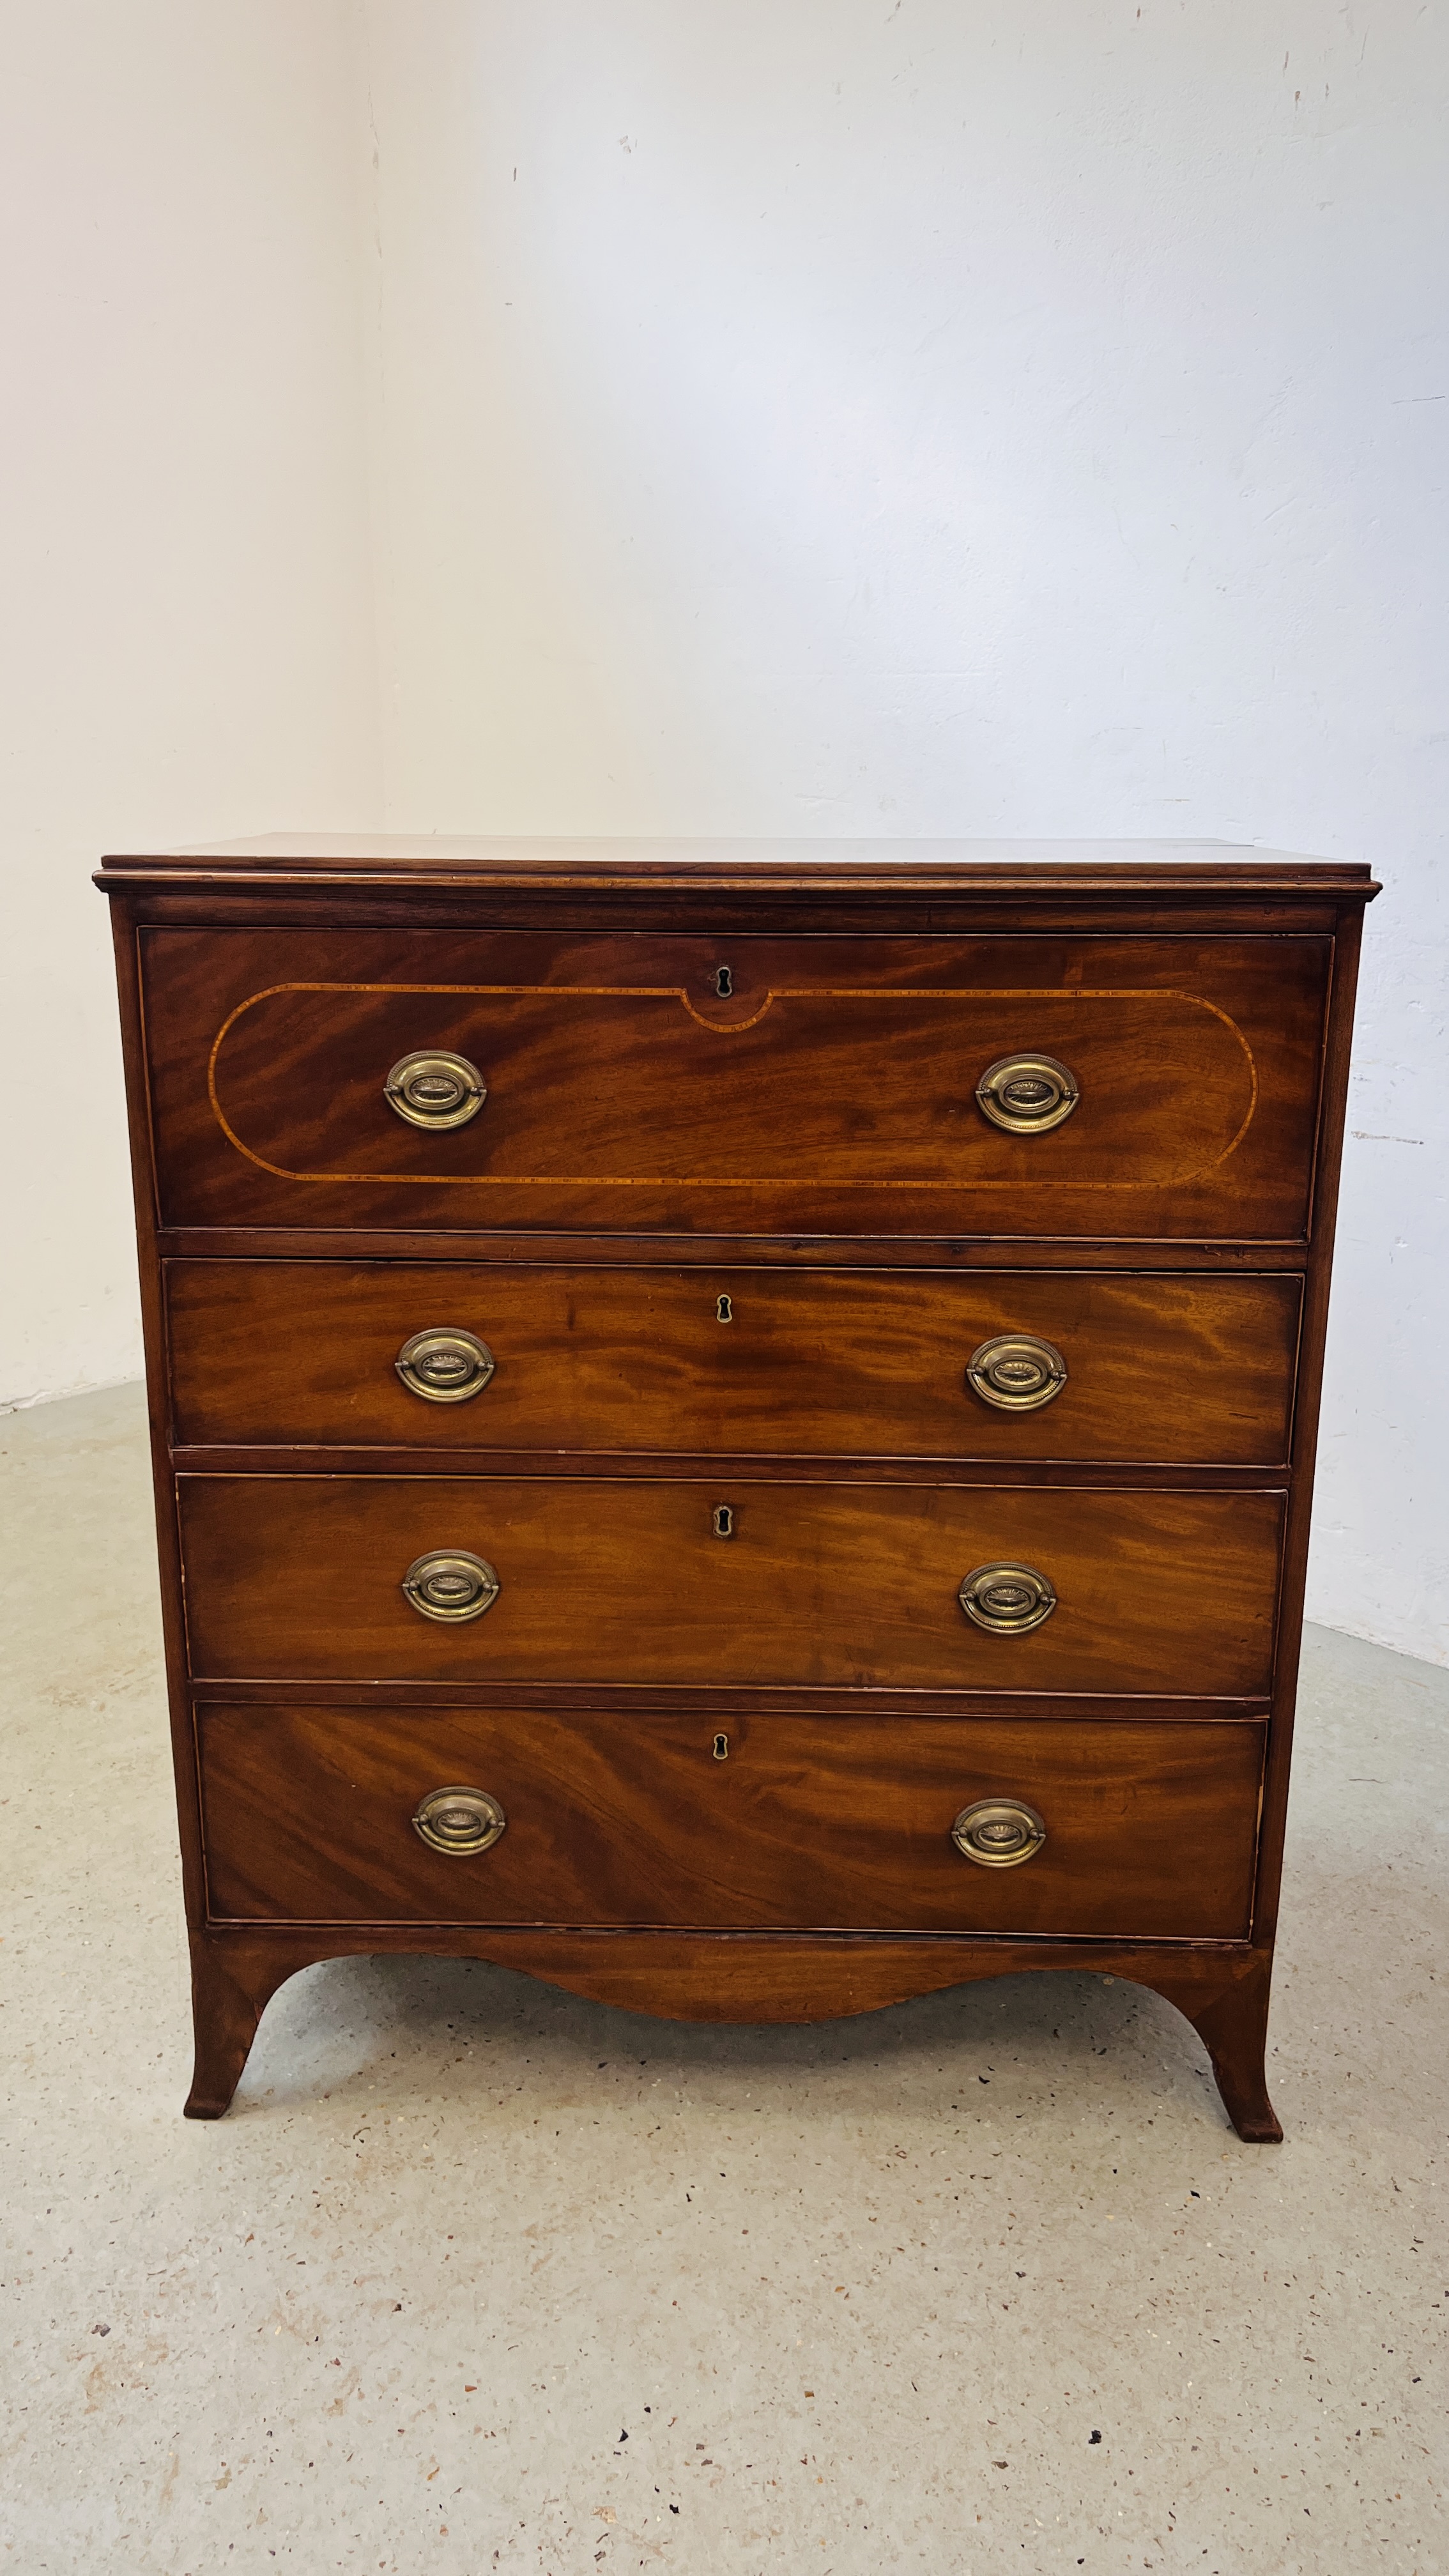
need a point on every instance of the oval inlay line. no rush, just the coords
(728, 1029)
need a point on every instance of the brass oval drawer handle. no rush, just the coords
(434, 1089)
(459, 1820)
(999, 1833)
(1027, 1094)
(1007, 1599)
(1017, 1372)
(451, 1584)
(445, 1365)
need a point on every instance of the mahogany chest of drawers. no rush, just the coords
(734, 1426)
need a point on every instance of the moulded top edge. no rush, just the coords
(794, 867)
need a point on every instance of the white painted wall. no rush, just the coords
(186, 630)
(826, 416)
(782, 416)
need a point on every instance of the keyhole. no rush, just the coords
(724, 1521)
(724, 1312)
(724, 982)
(721, 1748)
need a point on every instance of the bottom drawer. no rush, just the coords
(782, 1823)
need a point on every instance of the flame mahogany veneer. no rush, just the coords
(738, 1256)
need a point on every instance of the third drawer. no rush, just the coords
(746, 1585)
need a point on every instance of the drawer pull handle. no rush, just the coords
(445, 1365)
(459, 1820)
(451, 1584)
(1016, 1372)
(1027, 1094)
(432, 1089)
(1007, 1599)
(999, 1833)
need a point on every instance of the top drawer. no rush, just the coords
(750, 1086)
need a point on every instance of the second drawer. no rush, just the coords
(1164, 1369)
(749, 1586)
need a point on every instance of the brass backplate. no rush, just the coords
(445, 1365)
(451, 1584)
(999, 1833)
(459, 1820)
(1017, 1372)
(1007, 1599)
(1027, 1094)
(432, 1088)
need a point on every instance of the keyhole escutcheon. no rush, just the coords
(724, 1521)
(724, 982)
(724, 1312)
(721, 1748)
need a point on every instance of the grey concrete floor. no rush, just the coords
(981, 2282)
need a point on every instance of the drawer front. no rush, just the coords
(835, 1086)
(823, 1363)
(816, 1586)
(808, 1823)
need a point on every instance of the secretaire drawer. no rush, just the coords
(749, 1585)
(1029, 1365)
(1123, 1088)
(1137, 1831)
